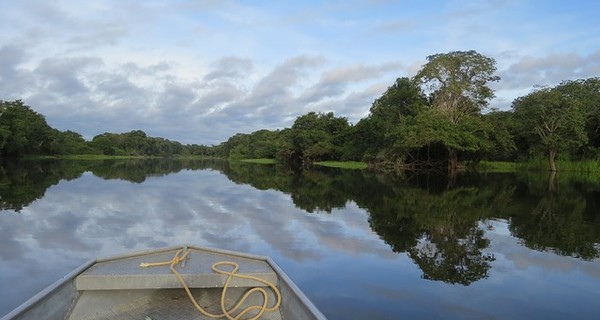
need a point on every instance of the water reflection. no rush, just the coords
(67, 212)
(22, 182)
(563, 219)
(437, 223)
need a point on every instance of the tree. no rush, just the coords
(135, 142)
(552, 120)
(587, 93)
(501, 126)
(70, 142)
(24, 131)
(108, 144)
(236, 146)
(457, 86)
(404, 99)
(284, 145)
(263, 144)
(432, 127)
(364, 139)
(318, 136)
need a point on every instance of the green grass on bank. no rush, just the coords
(332, 164)
(343, 164)
(260, 161)
(562, 165)
(540, 165)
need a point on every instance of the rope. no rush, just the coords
(180, 256)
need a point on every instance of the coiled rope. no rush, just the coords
(182, 254)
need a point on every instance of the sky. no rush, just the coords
(198, 71)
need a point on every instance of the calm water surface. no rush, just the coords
(360, 245)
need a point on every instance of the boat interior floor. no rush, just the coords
(159, 304)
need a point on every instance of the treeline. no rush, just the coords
(436, 118)
(433, 119)
(26, 132)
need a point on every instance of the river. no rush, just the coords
(361, 245)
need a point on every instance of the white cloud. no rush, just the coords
(335, 82)
(551, 69)
(522, 73)
(229, 67)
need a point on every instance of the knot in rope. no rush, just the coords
(176, 259)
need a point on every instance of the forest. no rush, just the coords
(24, 132)
(440, 118)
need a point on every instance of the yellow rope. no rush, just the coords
(228, 313)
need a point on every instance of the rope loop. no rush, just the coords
(228, 313)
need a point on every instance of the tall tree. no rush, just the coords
(404, 99)
(457, 86)
(587, 93)
(553, 121)
(501, 127)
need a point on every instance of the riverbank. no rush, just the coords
(331, 164)
(260, 161)
(539, 165)
(533, 165)
(343, 164)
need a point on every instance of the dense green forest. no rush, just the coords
(438, 118)
(24, 132)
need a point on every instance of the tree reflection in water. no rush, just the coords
(456, 261)
(447, 239)
(439, 225)
(564, 218)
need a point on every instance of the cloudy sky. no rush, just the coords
(199, 71)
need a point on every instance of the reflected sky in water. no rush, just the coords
(336, 259)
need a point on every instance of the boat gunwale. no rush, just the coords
(46, 292)
(71, 276)
(172, 248)
(283, 277)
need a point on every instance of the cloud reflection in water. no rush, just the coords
(337, 259)
(90, 217)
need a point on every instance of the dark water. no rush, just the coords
(359, 244)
